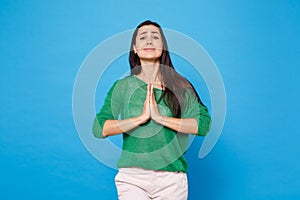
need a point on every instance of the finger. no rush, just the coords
(148, 92)
(149, 95)
(153, 96)
(152, 90)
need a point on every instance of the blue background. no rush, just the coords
(255, 44)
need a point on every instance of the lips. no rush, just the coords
(149, 49)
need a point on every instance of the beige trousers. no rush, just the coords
(141, 184)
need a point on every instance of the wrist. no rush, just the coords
(140, 120)
(160, 119)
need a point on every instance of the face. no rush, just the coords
(148, 44)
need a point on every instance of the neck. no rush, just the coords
(150, 72)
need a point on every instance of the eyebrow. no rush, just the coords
(146, 32)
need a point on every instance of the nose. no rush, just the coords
(149, 41)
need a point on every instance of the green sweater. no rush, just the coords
(149, 146)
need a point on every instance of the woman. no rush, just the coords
(155, 109)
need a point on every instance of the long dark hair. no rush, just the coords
(174, 84)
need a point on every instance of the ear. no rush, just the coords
(134, 49)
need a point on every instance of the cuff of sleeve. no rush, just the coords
(98, 128)
(204, 125)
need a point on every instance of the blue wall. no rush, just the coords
(255, 44)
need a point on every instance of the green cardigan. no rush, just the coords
(149, 146)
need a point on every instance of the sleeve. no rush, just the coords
(194, 109)
(110, 110)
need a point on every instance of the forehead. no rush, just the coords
(148, 29)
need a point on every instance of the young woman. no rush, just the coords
(155, 109)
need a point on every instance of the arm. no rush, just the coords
(195, 120)
(186, 125)
(106, 122)
(114, 127)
